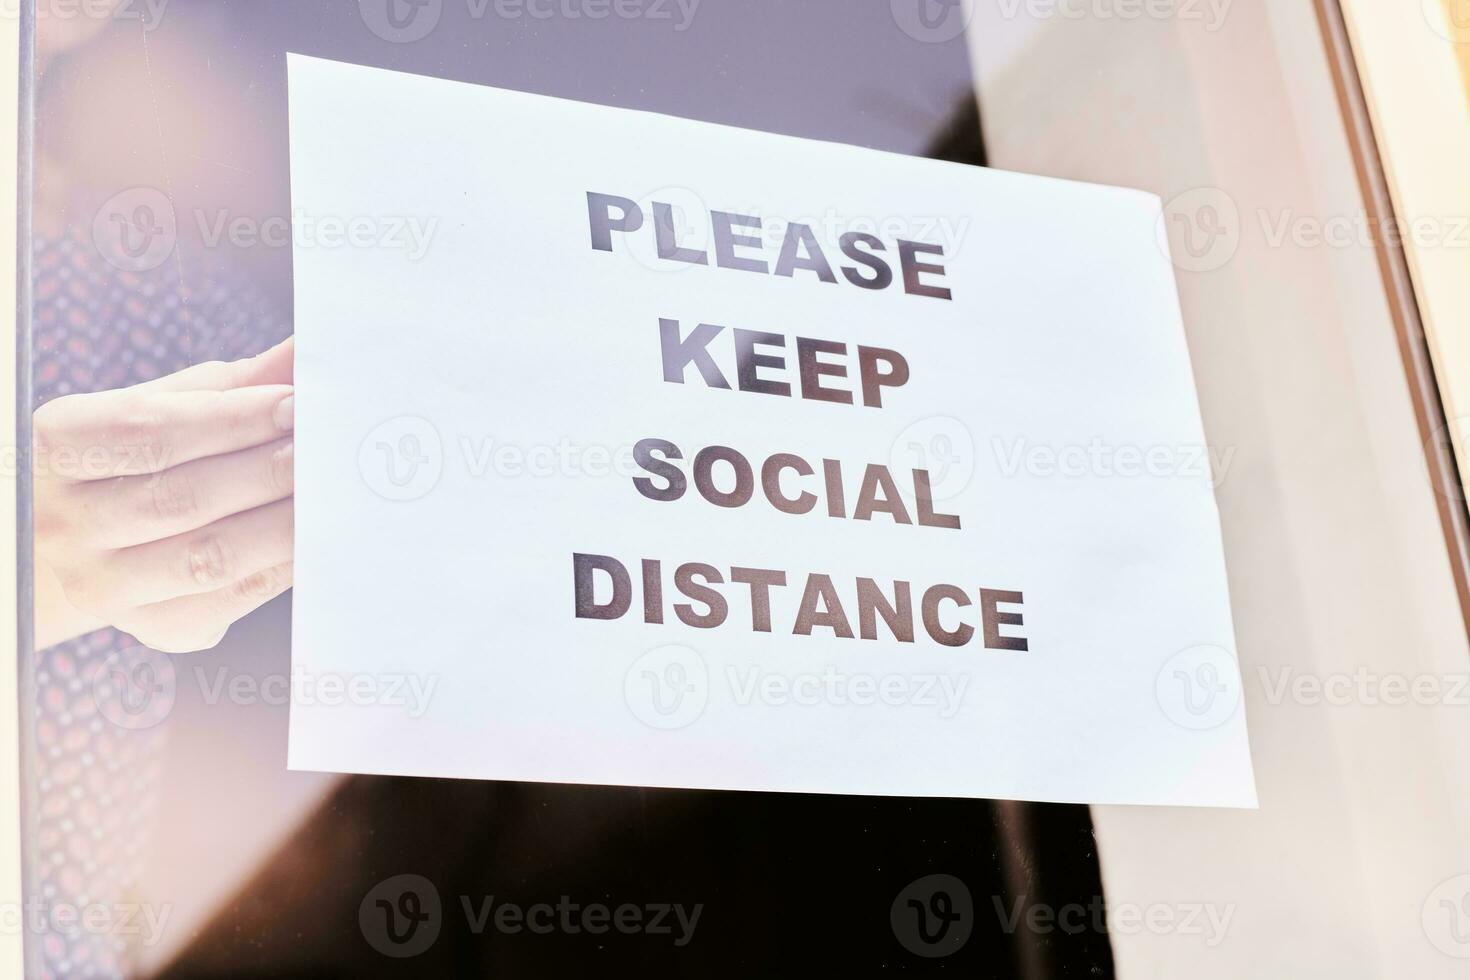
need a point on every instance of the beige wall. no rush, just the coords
(1336, 556)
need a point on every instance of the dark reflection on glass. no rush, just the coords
(162, 240)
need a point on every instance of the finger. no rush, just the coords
(275, 366)
(199, 622)
(131, 510)
(199, 561)
(131, 431)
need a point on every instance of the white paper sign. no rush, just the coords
(643, 451)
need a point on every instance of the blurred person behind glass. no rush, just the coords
(166, 133)
(163, 451)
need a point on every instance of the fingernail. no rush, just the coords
(286, 413)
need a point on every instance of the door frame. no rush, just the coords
(1411, 153)
(16, 45)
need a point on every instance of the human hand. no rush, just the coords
(165, 509)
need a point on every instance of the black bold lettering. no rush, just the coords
(760, 581)
(684, 581)
(812, 370)
(726, 240)
(821, 607)
(672, 476)
(667, 239)
(603, 224)
(771, 483)
(870, 360)
(704, 462)
(932, 598)
(908, 253)
(993, 619)
(872, 603)
(882, 275)
(748, 363)
(583, 569)
(679, 354)
(801, 237)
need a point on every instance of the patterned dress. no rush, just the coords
(98, 727)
